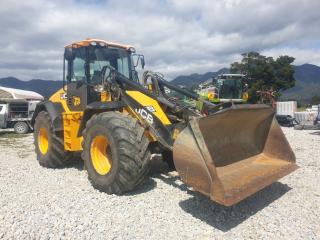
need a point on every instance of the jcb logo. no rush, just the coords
(145, 115)
(76, 101)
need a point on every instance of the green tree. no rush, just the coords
(265, 73)
(315, 100)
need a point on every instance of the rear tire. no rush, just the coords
(49, 147)
(21, 128)
(126, 151)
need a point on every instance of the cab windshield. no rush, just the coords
(94, 58)
(230, 88)
(114, 57)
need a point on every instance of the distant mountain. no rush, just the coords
(307, 84)
(195, 79)
(44, 87)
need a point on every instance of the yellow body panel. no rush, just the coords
(60, 97)
(148, 102)
(71, 122)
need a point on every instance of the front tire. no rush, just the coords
(116, 152)
(49, 147)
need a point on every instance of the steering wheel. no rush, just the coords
(107, 73)
(108, 77)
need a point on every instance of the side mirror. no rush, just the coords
(69, 54)
(136, 58)
(143, 63)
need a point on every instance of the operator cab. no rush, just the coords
(85, 66)
(225, 88)
(229, 86)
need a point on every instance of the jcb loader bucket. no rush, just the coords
(233, 153)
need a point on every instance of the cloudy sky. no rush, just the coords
(176, 36)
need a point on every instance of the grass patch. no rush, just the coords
(9, 139)
(301, 109)
(12, 135)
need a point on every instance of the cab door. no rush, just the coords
(78, 77)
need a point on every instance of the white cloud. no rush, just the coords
(176, 36)
(302, 56)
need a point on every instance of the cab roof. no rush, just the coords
(93, 41)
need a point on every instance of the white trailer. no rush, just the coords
(287, 108)
(16, 108)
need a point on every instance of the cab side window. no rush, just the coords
(78, 66)
(122, 66)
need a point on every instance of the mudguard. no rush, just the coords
(55, 112)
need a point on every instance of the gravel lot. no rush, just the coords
(41, 203)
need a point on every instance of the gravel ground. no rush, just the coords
(41, 203)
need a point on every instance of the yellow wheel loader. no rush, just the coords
(224, 151)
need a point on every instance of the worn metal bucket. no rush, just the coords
(233, 153)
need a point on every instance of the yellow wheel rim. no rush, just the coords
(100, 155)
(43, 142)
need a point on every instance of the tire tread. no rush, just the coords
(133, 151)
(58, 157)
